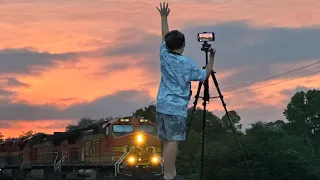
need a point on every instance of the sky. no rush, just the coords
(64, 60)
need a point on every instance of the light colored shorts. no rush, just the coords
(171, 127)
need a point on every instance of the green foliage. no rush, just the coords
(147, 113)
(1, 138)
(234, 118)
(303, 112)
(85, 122)
(275, 150)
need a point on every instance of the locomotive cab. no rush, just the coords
(141, 148)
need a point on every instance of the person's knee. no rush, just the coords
(173, 143)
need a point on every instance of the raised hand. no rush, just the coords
(164, 10)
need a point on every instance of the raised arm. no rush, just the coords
(199, 74)
(164, 13)
(209, 66)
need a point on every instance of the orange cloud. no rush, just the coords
(72, 26)
(81, 82)
(16, 128)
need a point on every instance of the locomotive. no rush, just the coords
(125, 148)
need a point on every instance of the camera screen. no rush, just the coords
(206, 37)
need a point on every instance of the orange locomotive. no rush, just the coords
(125, 148)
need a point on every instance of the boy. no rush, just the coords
(174, 91)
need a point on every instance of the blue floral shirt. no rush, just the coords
(176, 73)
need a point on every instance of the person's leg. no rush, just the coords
(161, 132)
(170, 155)
(164, 144)
(175, 127)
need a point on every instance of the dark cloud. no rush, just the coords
(147, 45)
(13, 82)
(238, 46)
(5, 93)
(146, 49)
(257, 50)
(290, 92)
(114, 105)
(21, 111)
(111, 68)
(22, 60)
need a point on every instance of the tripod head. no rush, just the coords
(205, 47)
(205, 37)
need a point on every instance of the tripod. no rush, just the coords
(206, 98)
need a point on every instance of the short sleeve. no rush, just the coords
(163, 49)
(197, 74)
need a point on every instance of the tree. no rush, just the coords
(147, 113)
(214, 129)
(303, 112)
(235, 120)
(85, 122)
(1, 138)
(27, 134)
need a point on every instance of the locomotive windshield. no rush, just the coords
(146, 128)
(122, 129)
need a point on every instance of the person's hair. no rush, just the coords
(174, 40)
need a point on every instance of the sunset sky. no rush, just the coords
(64, 60)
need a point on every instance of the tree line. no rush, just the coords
(280, 150)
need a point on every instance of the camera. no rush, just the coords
(206, 37)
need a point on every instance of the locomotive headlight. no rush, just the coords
(155, 160)
(140, 138)
(131, 160)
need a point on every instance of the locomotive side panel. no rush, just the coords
(45, 155)
(33, 154)
(74, 152)
(106, 152)
(26, 157)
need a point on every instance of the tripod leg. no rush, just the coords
(193, 110)
(218, 89)
(230, 122)
(203, 133)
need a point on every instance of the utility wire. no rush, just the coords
(273, 83)
(240, 91)
(230, 88)
(254, 82)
